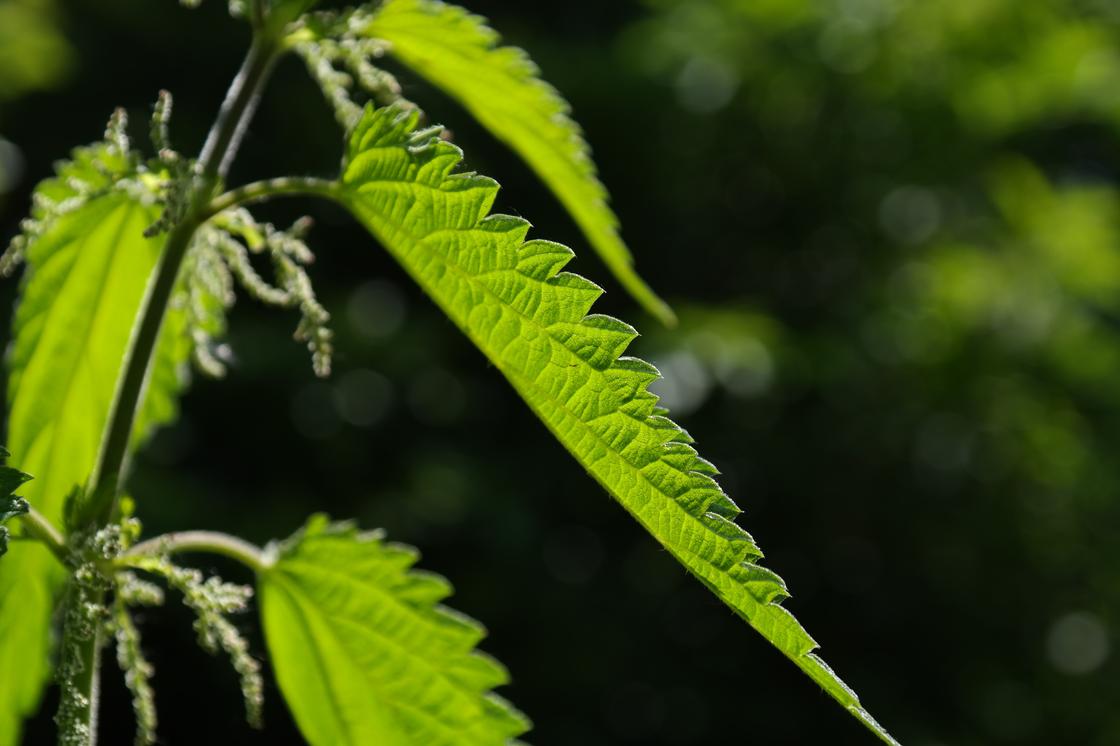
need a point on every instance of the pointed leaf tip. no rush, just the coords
(532, 322)
(502, 88)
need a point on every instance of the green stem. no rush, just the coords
(238, 108)
(38, 527)
(79, 669)
(217, 154)
(211, 542)
(214, 162)
(257, 14)
(259, 191)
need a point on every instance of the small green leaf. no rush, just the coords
(364, 652)
(510, 297)
(501, 87)
(10, 480)
(11, 504)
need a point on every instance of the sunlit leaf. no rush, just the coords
(510, 297)
(502, 88)
(366, 655)
(88, 266)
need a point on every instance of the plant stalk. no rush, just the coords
(257, 14)
(217, 155)
(212, 542)
(36, 525)
(214, 162)
(259, 191)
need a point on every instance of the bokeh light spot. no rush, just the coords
(363, 397)
(1077, 643)
(706, 85)
(376, 309)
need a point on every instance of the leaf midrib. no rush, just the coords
(525, 382)
(344, 577)
(328, 683)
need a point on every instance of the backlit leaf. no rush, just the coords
(533, 321)
(502, 88)
(364, 652)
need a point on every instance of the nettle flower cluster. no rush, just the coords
(219, 258)
(103, 592)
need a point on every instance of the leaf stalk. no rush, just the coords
(261, 191)
(212, 542)
(42, 530)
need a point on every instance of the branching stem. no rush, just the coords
(211, 542)
(237, 110)
(214, 162)
(216, 157)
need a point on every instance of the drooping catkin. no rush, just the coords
(212, 600)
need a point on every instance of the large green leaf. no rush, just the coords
(501, 87)
(510, 297)
(366, 655)
(87, 272)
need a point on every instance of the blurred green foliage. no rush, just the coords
(953, 164)
(899, 341)
(33, 56)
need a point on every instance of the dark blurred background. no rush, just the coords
(892, 231)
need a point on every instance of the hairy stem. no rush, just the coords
(211, 542)
(214, 162)
(83, 653)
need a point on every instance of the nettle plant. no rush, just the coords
(132, 261)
